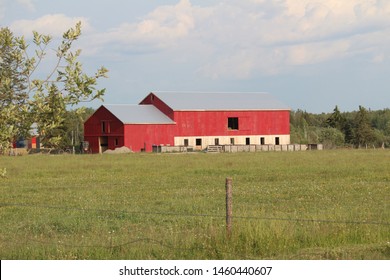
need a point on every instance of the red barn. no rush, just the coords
(197, 119)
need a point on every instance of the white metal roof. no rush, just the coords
(215, 101)
(138, 114)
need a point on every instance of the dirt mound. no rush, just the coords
(121, 150)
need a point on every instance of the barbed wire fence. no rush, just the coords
(229, 222)
(189, 215)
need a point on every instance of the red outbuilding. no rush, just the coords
(195, 119)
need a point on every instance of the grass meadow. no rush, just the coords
(286, 205)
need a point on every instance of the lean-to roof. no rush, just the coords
(138, 114)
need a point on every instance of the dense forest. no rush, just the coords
(362, 128)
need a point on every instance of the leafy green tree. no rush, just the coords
(299, 126)
(363, 132)
(331, 137)
(42, 101)
(348, 130)
(74, 126)
(49, 112)
(13, 94)
(305, 127)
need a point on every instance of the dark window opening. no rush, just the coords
(198, 142)
(233, 123)
(105, 127)
(277, 141)
(247, 141)
(262, 141)
(116, 142)
(232, 141)
(216, 141)
(186, 142)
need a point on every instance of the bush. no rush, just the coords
(331, 137)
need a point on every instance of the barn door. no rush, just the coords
(103, 144)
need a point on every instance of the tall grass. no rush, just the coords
(298, 205)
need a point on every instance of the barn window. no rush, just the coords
(186, 142)
(116, 142)
(233, 123)
(216, 141)
(247, 141)
(262, 141)
(232, 141)
(198, 142)
(105, 127)
(277, 141)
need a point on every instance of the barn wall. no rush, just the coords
(142, 137)
(215, 123)
(226, 140)
(111, 138)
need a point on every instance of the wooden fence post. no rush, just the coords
(229, 209)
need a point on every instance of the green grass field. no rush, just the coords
(286, 205)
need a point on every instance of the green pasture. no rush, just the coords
(286, 205)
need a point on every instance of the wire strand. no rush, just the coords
(195, 215)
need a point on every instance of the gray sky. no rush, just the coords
(310, 54)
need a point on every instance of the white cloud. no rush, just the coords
(314, 53)
(157, 30)
(53, 24)
(293, 33)
(238, 65)
(239, 39)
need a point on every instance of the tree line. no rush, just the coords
(363, 128)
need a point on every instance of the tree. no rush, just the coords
(13, 94)
(331, 137)
(49, 112)
(74, 126)
(363, 132)
(336, 120)
(348, 130)
(26, 99)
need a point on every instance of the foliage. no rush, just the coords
(331, 137)
(13, 85)
(74, 126)
(336, 119)
(364, 134)
(358, 128)
(45, 101)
